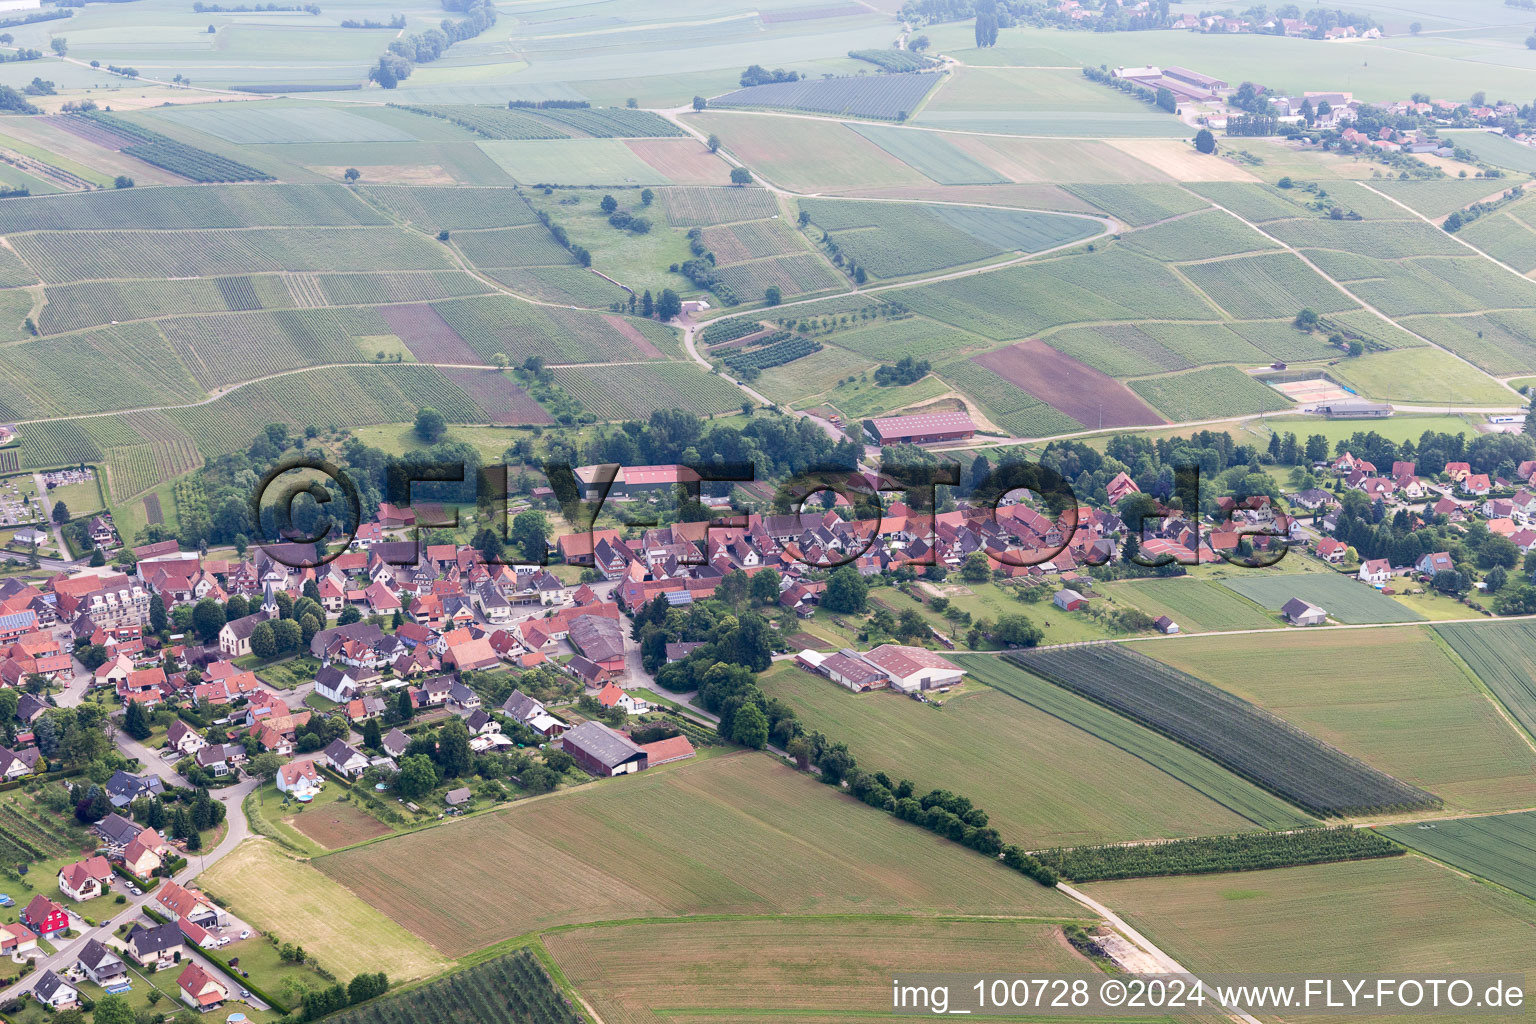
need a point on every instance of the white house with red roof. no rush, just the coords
(200, 990)
(85, 879)
(914, 668)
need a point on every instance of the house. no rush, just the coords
(600, 640)
(14, 765)
(344, 759)
(610, 696)
(299, 779)
(176, 901)
(85, 879)
(116, 831)
(1434, 562)
(1164, 624)
(1068, 600)
(200, 990)
(143, 855)
(53, 991)
(155, 946)
(1475, 483)
(102, 966)
(219, 759)
(45, 917)
(1302, 613)
(603, 752)
(184, 738)
(16, 939)
(849, 668)
(1331, 550)
(1375, 570)
(464, 697)
(235, 636)
(123, 789)
(457, 797)
(396, 743)
(911, 669)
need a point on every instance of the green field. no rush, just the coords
(1271, 285)
(932, 154)
(1201, 236)
(1418, 715)
(1219, 391)
(1018, 763)
(1196, 605)
(1500, 847)
(1345, 599)
(1503, 655)
(1424, 375)
(1182, 763)
(574, 162)
(633, 392)
(778, 843)
(1139, 205)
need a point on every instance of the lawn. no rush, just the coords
(776, 842)
(1425, 375)
(296, 903)
(81, 499)
(1020, 764)
(1346, 600)
(326, 823)
(817, 971)
(1196, 605)
(1416, 714)
(1400, 914)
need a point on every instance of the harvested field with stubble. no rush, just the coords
(1081, 392)
(738, 970)
(733, 835)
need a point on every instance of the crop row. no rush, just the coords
(177, 157)
(777, 354)
(1241, 737)
(511, 989)
(729, 330)
(519, 330)
(883, 97)
(187, 206)
(494, 122)
(232, 347)
(634, 392)
(610, 122)
(1249, 851)
(458, 209)
(702, 206)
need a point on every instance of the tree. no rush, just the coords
(264, 641)
(699, 103)
(390, 69)
(713, 143)
(977, 568)
(668, 305)
(60, 45)
(265, 765)
(136, 722)
(1416, 27)
(453, 753)
(208, 619)
(1306, 320)
(846, 592)
(530, 532)
(647, 304)
(430, 424)
(418, 776)
(352, 174)
(1205, 142)
(60, 513)
(772, 295)
(405, 708)
(647, 197)
(1016, 631)
(608, 204)
(741, 176)
(371, 735)
(749, 727)
(765, 586)
(288, 635)
(349, 615)
(112, 1009)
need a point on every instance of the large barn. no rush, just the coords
(602, 751)
(924, 428)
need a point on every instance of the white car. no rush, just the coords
(245, 933)
(135, 889)
(224, 941)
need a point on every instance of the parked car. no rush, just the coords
(6, 901)
(245, 994)
(135, 889)
(245, 933)
(224, 941)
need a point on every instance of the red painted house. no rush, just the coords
(45, 917)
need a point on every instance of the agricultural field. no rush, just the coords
(1199, 236)
(1345, 599)
(895, 240)
(634, 391)
(247, 124)
(518, 330)
(881, 97)
(701, 207)
(1401, 914)
(1502, 343)
(1504, 237)
(1139, 205)
(931, 153)
(463, 209)
(1006, 404)
(817, 971)
(511, 989)
(1015, 761)
(1432, 728)
(1231, 731)
(1437, 197)
(1499, 847)
(806, 155)
(1218, 391)
(578, 162)
(1503, 656)
(1196, 605)
(1267, 286)
(781, 845)
(1238, 795)
(290, 899)
(1422, 375)
(1080, 392)
(146, 371)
